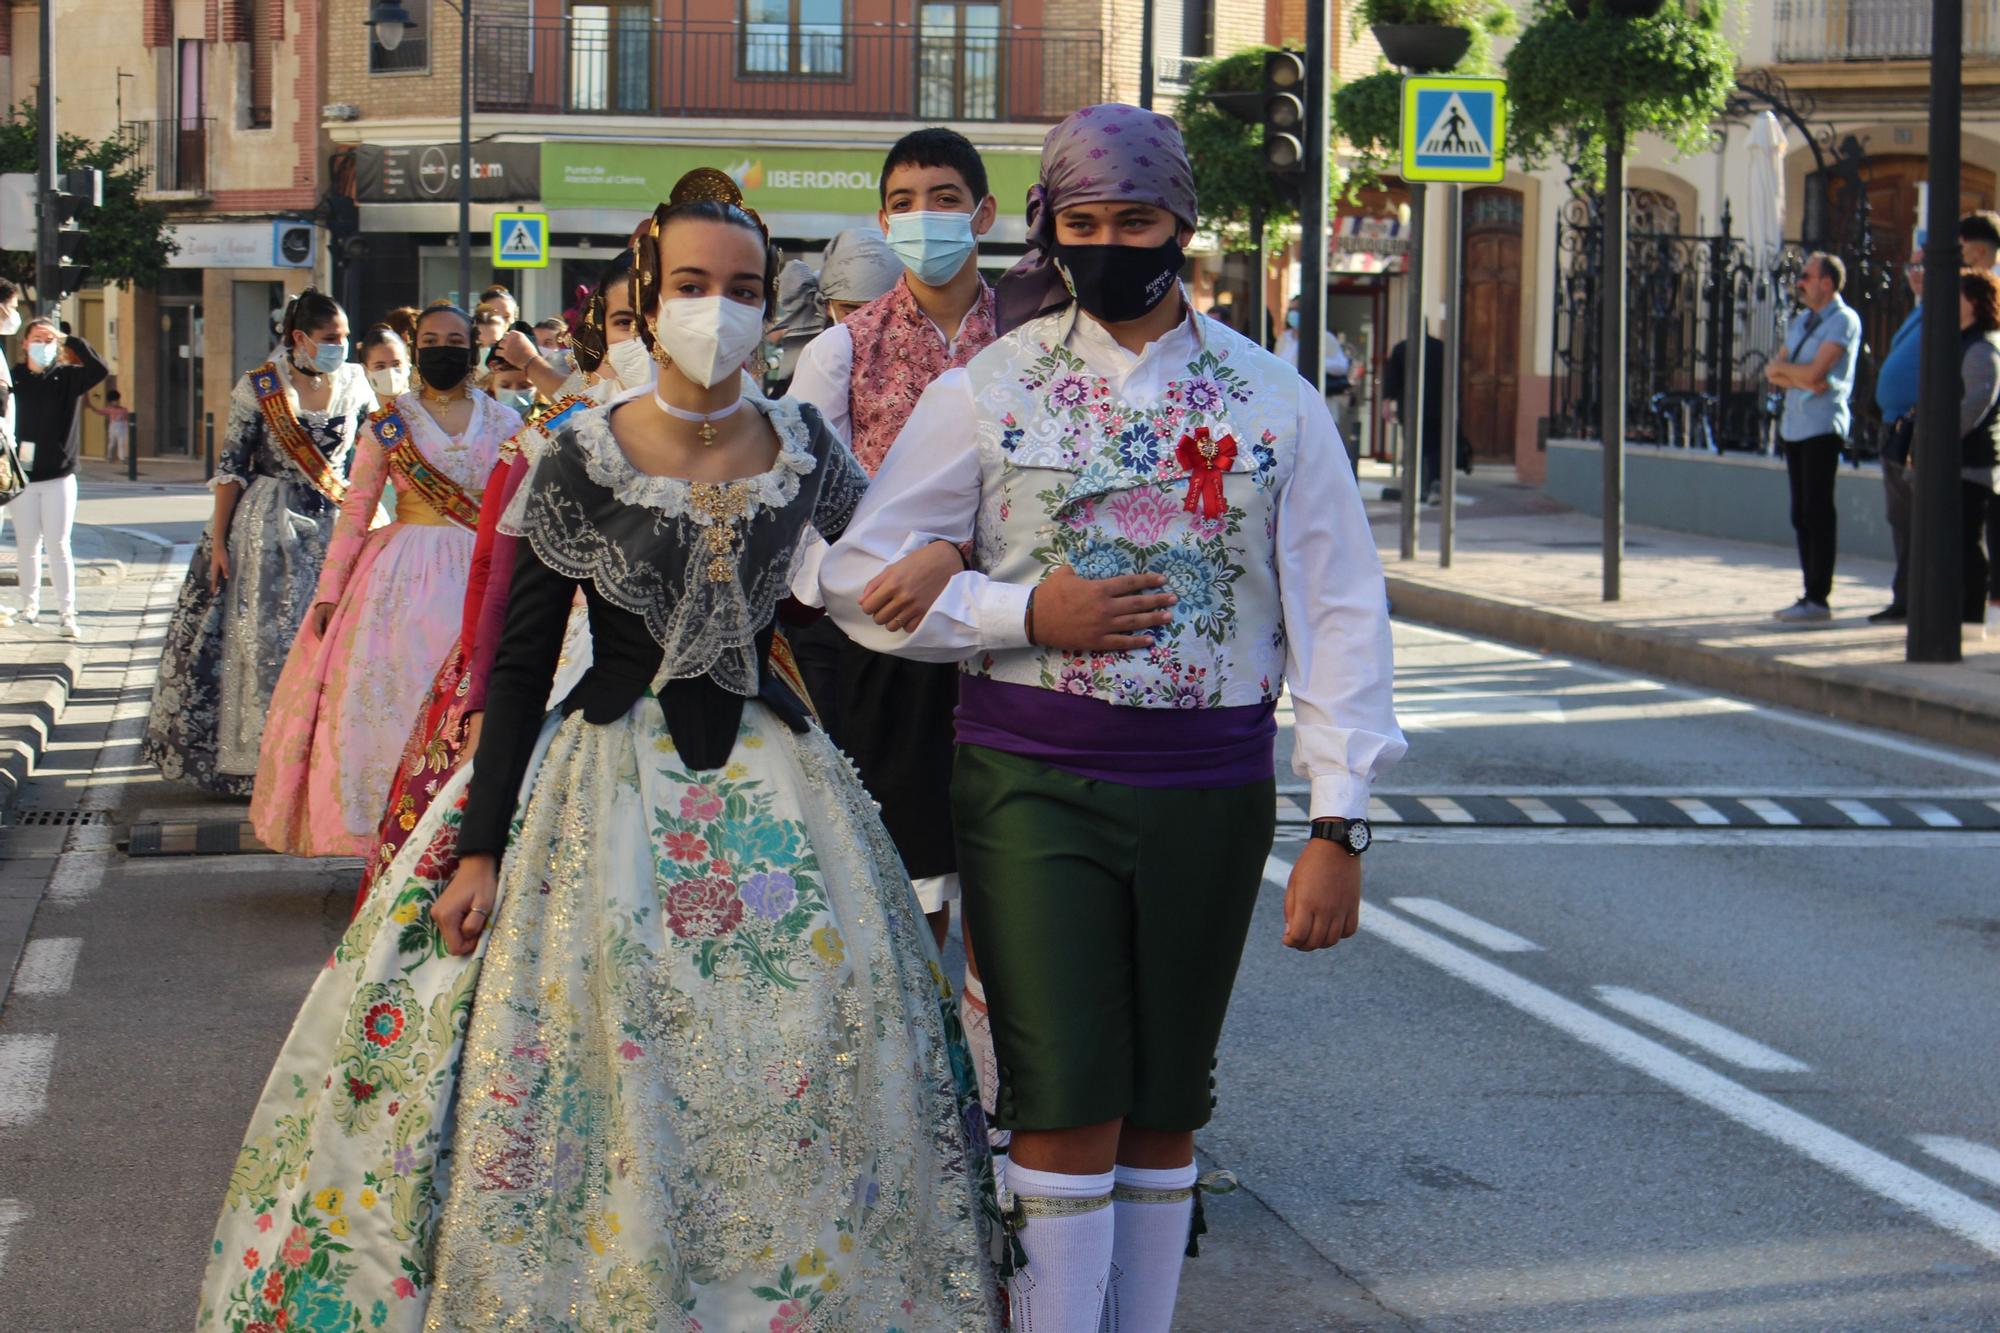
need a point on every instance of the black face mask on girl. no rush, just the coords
(1119, 283)
(444, 368)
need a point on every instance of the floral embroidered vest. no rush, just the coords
(897, 353)
(1072, 475)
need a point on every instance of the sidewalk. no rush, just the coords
(1695, 609)
(165, 471)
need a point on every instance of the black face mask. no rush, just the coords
(445, 367)
(1119, 283)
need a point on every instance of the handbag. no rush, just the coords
(13, 476)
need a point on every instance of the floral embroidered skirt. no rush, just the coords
(703, 1073)
(437, 743)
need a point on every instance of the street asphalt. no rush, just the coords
(1618, 1048)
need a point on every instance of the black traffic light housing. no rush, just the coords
(79, 190)
(1284, 115)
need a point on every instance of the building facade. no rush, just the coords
(221, 100)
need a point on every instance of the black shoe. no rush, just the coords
(1893, 614)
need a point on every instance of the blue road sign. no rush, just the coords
(520, 240)
(1454, 129)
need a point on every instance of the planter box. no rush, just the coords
(1742, 497)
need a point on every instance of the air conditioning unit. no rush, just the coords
(294, 243)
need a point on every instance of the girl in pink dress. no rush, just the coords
(387, 608)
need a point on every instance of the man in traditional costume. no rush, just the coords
(1165, 531)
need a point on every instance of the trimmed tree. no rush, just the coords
(1230, 177)
(126, 238)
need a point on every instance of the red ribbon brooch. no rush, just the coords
(1206, 460)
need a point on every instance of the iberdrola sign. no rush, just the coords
(774, 180)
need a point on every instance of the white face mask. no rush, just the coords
(389, 382)
(709, 338)
(10, 322)
(630, 363)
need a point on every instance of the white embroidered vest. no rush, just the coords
(1072, 475)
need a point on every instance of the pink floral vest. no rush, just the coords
(897, 353)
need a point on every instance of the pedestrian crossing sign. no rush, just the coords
(520, 240)
(1454, 129)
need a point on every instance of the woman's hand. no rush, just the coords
(472, 721)
(218, 563)
(901, 595)
(465, 908)
(319, 617)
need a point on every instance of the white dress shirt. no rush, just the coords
(1331, 592)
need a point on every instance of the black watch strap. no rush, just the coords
(1354, 836)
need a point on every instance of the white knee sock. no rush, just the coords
(1152, 1209)
(1064, 1224)
(979, 1044)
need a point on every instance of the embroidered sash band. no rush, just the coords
(415, 474)
(293, 438)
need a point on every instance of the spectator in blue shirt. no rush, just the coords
(1897, 384)
(1815, 368)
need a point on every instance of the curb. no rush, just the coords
(1907, 706)
(37, 690)
(89, 573)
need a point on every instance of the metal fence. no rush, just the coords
(956, 68)
(171, 155)
(1705, 316)
(1829, 30)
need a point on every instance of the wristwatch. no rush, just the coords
(1352, 835)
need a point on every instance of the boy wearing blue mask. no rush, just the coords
(865, 374)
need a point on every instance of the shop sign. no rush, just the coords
(222, 245)
(1369, 243)
(428, 173)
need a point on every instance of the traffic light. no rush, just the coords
(1285, 126)
(78, 190)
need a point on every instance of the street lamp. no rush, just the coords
(390, 23)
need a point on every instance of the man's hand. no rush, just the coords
(900, 596)
(1080, 615)
(465, 908)
(518, 350)
(1323, 899)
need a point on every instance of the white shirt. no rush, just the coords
(824, 375)
(1337, 364)
(1331, 592)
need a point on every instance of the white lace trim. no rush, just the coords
(773, 488)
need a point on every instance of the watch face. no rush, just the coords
(1358, 836)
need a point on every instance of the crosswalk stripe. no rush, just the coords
(26, 1062)
(1932, 815)
(1609, 811)
(1483, 933)
(1447, 810)
(1692, 1028)
(12, 1214)
(1380, 813)
(1769, 811)
(1975, 1159)
(1290, 809)
(1536, 809)
(1701, 812)
(1862, 813)
(47, 967)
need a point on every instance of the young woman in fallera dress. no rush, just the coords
(279, 485)
(671, 1049)
(387, 608)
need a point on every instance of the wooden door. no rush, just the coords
(1490, 346)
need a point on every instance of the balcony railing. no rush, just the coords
(959, 69)
(1829, 30)
(172, 155)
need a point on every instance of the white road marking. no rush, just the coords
(1288, 808)
(1447, 810)
(1770, 811)
(1483, 933)
(1862, 813)
(1947, 1208)
(47, 967)
(1741, 835)
(1608, 810)
(1975, 1159)
(77, 876)
(1935, 816)
(1826, 727)
(1380, 813)
(1536, 809)
(12, 1214)
(1701, 812)
(1712, 1037)
(26, 1062)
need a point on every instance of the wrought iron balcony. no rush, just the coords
(951, 65)
(172, 155)
(1833, 30)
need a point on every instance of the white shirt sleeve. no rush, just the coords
(1336, 610)
(824, 377)
(927, 489)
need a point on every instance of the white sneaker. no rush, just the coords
(27, 615)
(66, 625)
(1803, 612)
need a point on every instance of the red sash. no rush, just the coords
(415, 474)
(292, 437)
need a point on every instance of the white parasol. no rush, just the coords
(1764, 217)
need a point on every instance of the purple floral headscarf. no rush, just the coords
(1101, 154)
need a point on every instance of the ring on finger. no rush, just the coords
(478, 911)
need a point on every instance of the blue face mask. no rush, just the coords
(1291, 319)
(933, 246)
(329, 357)
(518, 399)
